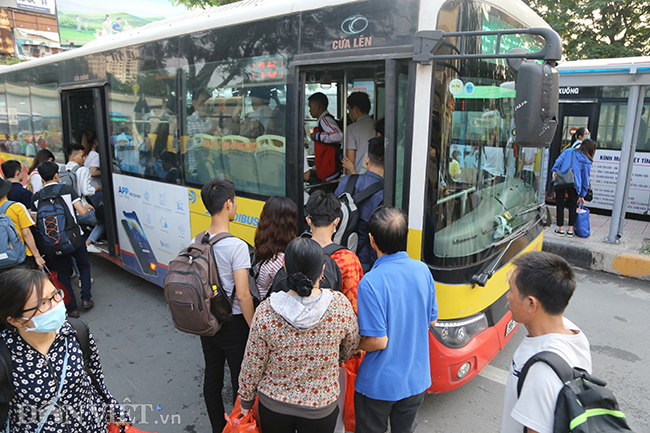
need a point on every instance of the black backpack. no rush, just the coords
(59, 231)
(6, 368)
(331, 275)
(347, 231)
(584, 405)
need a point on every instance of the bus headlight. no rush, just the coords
(457, 333)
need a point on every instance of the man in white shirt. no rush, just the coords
(540, 289)
(84, 188)
(358, 133)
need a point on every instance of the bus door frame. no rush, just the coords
(393, 66)
(99, 90)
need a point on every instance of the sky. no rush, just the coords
(141, 8)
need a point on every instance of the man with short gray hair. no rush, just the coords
(397, 305)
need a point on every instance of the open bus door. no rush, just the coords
(83, 109)
(387, 84)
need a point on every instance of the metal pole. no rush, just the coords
(619, 196)
(345, 115)
(635, 139)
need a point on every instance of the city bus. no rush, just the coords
(594, 94)
(173, 105)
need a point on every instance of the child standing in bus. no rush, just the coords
(233, 263)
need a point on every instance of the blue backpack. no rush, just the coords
(61, 233)
(12, 248)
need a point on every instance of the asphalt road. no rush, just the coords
(157, 371)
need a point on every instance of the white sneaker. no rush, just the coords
(92, 280)
(93, 249)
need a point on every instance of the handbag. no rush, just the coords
(590, 193)
(582, 227)
(565, 179)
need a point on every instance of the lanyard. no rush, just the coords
(58, 394)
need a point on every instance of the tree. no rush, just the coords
(598, 28)
(190, 4)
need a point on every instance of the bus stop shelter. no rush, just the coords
(634, 73)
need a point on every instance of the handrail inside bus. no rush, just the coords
(464, 193)
(427, 41)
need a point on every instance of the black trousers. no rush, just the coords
(571, 203)
(372, 415)
(273, 422)
(63, 267)
(229, 344)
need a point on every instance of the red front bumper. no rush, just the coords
(445, 362)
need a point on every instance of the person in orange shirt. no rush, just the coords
(323, 215)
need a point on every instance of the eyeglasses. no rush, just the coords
(46, 304)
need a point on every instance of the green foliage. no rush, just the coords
(201, 3)
(6, 61)
(598, 28)
(69, 19)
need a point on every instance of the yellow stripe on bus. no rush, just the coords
(457, 301)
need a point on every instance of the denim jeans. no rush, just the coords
(90, 219)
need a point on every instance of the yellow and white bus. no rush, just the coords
(222, 93)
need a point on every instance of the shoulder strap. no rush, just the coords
(204, 238)
(553, 360)
(332, 248)
(5, 206)
(352, 182)
(213, 270)
(83, 337)
(368, 192)
(6, 381)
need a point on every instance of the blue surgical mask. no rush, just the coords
(50, 321)
(587, 136)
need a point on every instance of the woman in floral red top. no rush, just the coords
(297, 340)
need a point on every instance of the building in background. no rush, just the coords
(28, 28)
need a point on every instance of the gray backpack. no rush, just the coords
(191, 282)
(69, 176)
(12, 248)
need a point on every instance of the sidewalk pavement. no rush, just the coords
(626, 258)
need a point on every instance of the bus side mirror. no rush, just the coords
(536, 104)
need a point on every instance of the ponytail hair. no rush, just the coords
(303, 260)
(579, 132)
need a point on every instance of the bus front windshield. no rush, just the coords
(483, 188)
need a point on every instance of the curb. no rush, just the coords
(624, 264)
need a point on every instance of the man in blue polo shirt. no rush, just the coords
(397, 304)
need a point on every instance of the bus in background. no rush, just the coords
(594, 94)
(223, 93)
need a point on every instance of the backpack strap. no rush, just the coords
(83, 337)
(213, 270)
(352, 182)
(5, 206)
(332, 248)
(368, 192)
(563, 370)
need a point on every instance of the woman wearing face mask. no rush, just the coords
(580, 135)
(52, 391)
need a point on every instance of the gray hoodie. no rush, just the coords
(301, 313)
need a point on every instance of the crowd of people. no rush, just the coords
(287, 353)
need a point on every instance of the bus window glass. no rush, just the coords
(402, 104)
(46, 120)
(612, 125)
(482, 188)
(643, 140)
(234, 123)
(142, 112)
(19, 111)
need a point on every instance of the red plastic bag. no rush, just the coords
(235, 423)
(54, 278)
(351, 369)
